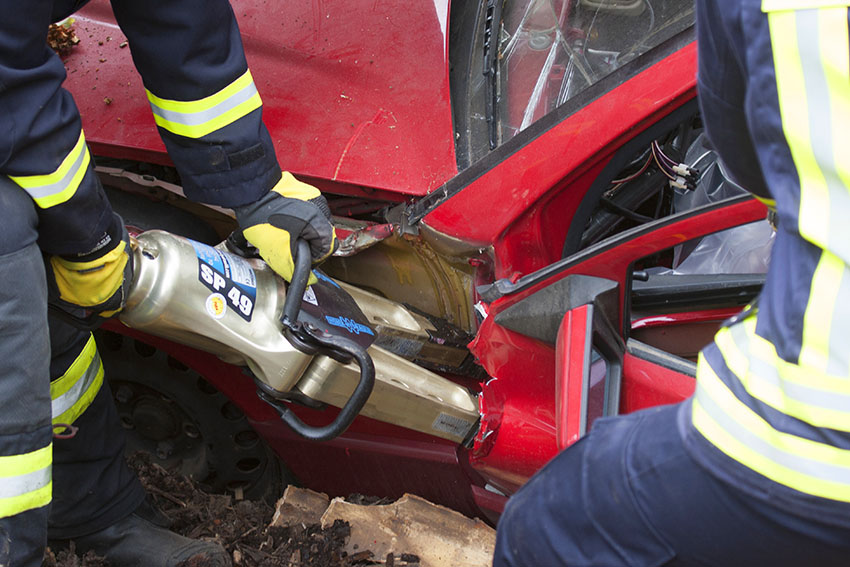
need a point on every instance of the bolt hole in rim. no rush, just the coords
(184, 422)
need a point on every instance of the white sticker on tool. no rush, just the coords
(452, 424)
(310, 296)
(216, 305)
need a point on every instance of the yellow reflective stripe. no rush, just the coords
(13, 465)
(817, 320)
(37, 498)
(835, 57)
(779, 5)
(805, 465)
(74, 391)
(793, 103)
(766, 201)
(193, 106)
(813, 82)
(197, 118)
(25, 481)
(56, 188)
(765, 377)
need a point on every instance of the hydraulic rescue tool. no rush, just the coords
(310, 345)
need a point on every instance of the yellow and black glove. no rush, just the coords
(96, 280)
(291, 210)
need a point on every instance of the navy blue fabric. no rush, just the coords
(629, 494)
(185, 50)
(41, 124)
(188, 50)
(736, 71)
(92, 485)
(24, 356)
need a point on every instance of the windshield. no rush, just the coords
(533, 55)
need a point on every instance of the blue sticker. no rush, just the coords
(349, 325)
(229, 275)
(325, 278)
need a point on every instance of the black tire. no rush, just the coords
(185, 423)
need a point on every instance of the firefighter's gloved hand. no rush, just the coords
(291, 210)
(96, 280)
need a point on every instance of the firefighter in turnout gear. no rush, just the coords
(60, 239)
(754, 469)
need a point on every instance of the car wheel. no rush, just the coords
(185, 423)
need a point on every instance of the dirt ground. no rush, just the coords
(241, 526)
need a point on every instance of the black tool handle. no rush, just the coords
(313, 340)
(351, 408)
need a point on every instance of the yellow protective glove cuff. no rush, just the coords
(290, 187)
(273, 244)
(89, 284)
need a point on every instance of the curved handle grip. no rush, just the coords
(316, 341)
(351, 408)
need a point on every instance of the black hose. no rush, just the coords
(298, 285)
(312, 340)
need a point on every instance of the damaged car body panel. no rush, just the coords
(501, 178)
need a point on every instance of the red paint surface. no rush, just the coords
(519, 432)
(569, 373)
(647, 385)
(669, 319)
(537, 192)
(353, 92)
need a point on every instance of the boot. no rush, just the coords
(136, 542)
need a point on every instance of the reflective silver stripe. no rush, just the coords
(204, 116)
(822, 138)
(67, 400)
(839, 331)
(803, 394)
(61, 185)
(821, 130)
(12, 486)
(816, 469)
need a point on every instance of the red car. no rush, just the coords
(521, 183)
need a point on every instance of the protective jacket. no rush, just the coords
(201, 93)
(208, 112)
(771, 413)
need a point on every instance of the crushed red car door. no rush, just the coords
(545, 332)
(588, 369)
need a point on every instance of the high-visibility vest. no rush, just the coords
(773, 389)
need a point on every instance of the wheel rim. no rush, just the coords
(184, 422)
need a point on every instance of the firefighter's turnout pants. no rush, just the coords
(51, 377)
(209, 113)
(754, 469)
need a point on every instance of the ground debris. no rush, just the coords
(61, 37)
(242, 527)
(69, 558)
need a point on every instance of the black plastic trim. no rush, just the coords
(503, 287)
(671, 291)
(620, 159)
(661, 358)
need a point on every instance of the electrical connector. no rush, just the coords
(682, 182)
(685, 170)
